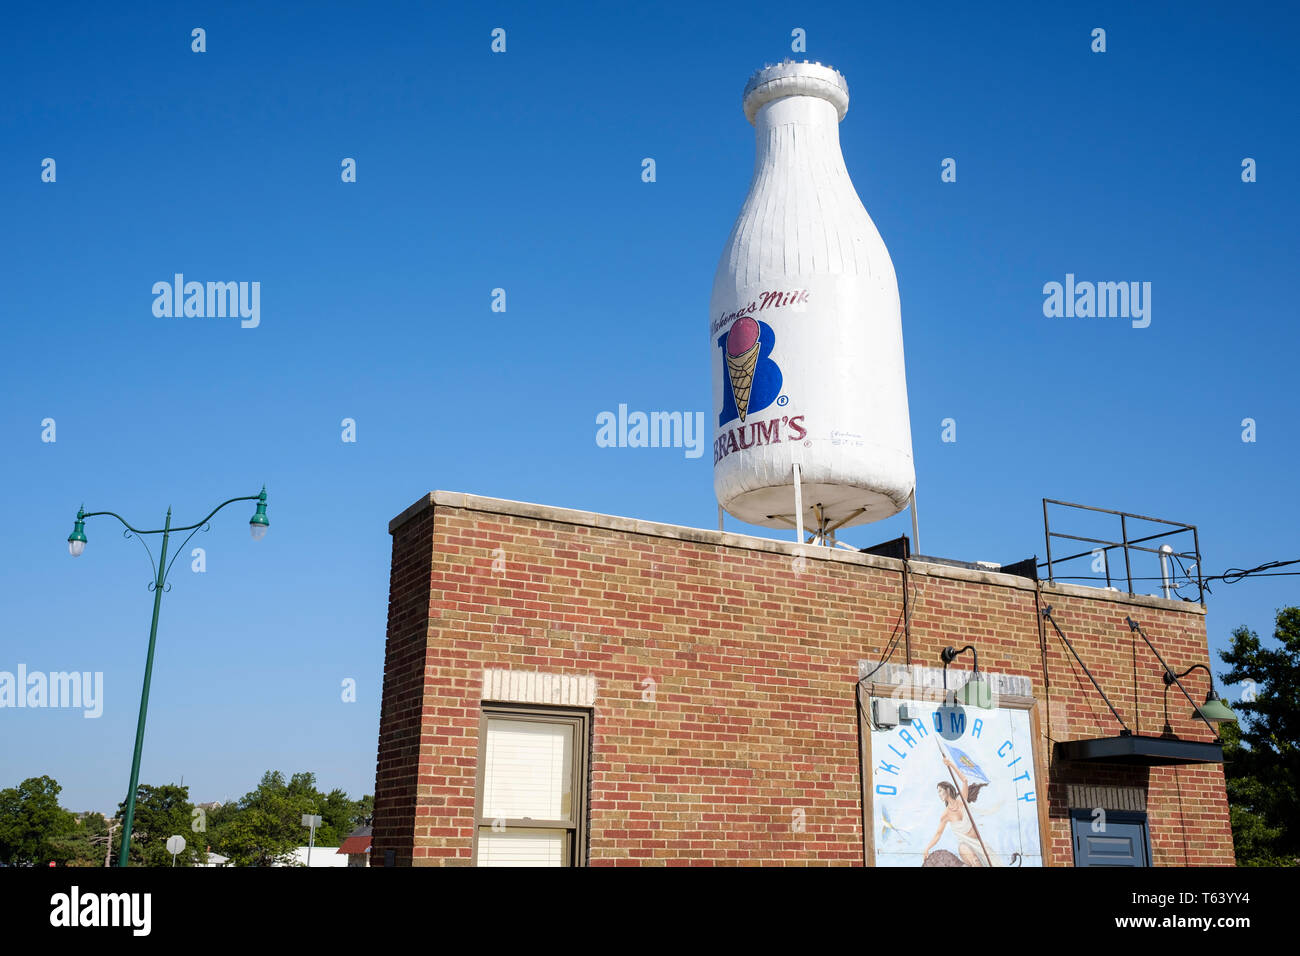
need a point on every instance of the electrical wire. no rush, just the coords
(1217, 577)
(1233, 575)
(905, 618)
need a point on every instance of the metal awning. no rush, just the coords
(1141, 751)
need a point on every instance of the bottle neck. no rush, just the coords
(816, 125)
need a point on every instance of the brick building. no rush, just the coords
(683, 697)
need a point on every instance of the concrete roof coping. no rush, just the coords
(812, 552)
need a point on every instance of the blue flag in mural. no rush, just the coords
(967, 766)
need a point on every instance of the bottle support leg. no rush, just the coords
(798, 505)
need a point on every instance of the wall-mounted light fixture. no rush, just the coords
(977, 691)
(1213, 709)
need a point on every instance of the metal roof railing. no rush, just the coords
(1170, 581)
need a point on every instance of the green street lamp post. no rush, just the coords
(257, 525)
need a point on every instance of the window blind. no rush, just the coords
(520, 847)
(527, 772)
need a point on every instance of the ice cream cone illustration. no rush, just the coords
(742, 357)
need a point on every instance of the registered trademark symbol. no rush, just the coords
(807, 444)
(783, 400)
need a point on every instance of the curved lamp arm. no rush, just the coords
(78, 535)
(950, 654)
(1170, 676)
(82, 515)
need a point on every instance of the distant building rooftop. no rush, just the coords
(358, 841)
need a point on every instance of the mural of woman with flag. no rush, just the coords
(957, 797)
(981, 767)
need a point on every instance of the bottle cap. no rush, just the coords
(795, 79)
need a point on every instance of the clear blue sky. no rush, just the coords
(523, 171)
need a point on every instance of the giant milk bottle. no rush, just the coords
(804, 326)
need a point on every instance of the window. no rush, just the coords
(530, 803)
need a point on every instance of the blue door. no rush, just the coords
(1122, 841)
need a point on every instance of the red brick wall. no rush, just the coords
(754, 657)
(401, 717)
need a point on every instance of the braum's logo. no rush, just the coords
(754, 378)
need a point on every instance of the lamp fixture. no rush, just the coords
(77, 540)
(258, 524)
(1214, 709)
(977, 692)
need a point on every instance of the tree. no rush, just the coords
(265, 826)
(1262, 753)
(160, 812)
(33, 827)
(364, 811)
(87, 843)
(335, 811)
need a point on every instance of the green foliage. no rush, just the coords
(336, 812)
(160, 812)
(87, 844)
(33, 827)
(265, 826)
(364, 812)
(262, 828)
(1261, 754)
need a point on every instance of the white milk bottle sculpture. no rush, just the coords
(810, 397)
